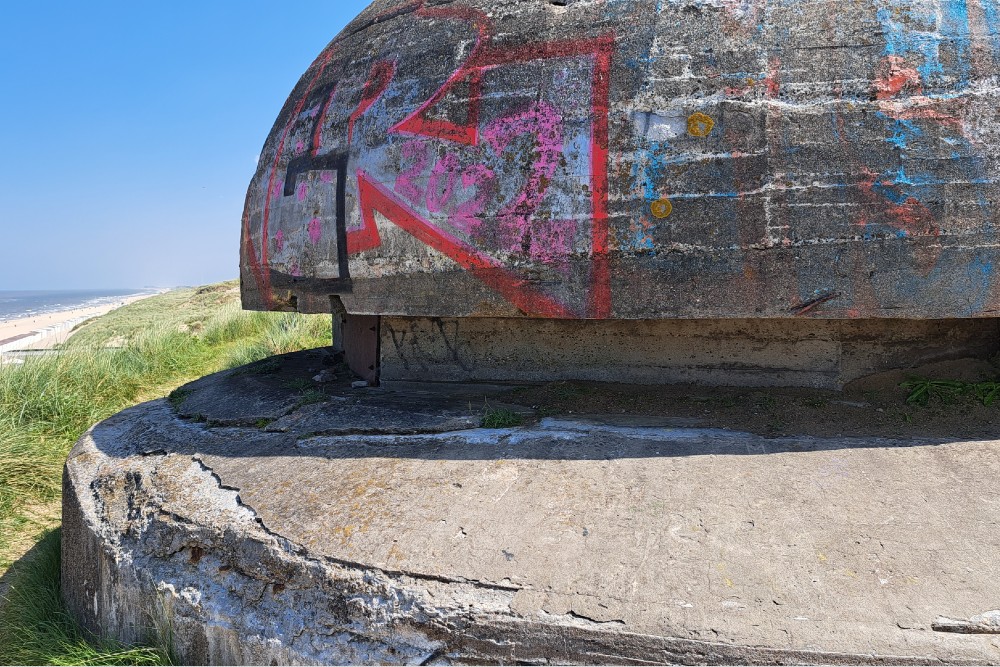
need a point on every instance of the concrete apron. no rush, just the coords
(387, 528)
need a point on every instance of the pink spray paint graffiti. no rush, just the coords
(543, 123)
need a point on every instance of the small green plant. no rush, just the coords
(987, 392)
(777, 424)
(247, 356)
(815, 402)
(768, 401)
(299, 384)
(501, 418)
(177, 397)
(922, 391)
(710, 401)
(311, 396)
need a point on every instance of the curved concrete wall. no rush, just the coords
(637, 159)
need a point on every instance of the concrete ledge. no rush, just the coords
(571, 541)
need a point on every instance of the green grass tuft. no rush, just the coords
(922, 391)
(177, 396)
(312, 396)
(299, 384)
(501, 418)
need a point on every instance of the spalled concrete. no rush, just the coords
(325, 537)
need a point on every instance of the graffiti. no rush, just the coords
(378, 82)
(258, 263)
(446, 184)
(482, 266)
(518, 230)
(460, 187)
(823, 178)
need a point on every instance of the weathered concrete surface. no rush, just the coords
(564, 540)
(778, 353)
(638, 159)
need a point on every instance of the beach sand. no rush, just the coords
(42, 332)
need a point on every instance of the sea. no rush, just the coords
(17, 304)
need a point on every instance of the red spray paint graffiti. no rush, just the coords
(259, 265)
(378, 82)
(449, 186)
(515, 218)
(490, 271)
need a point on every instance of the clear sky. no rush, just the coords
(130, 131)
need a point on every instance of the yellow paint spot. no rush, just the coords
(851, 573)
(822, 558)
(661, 208)
(728, 582)
(700, 125)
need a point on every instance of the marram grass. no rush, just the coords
(136, 353)
(42, 633)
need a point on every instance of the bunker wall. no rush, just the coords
(750, 352)
(638, 159)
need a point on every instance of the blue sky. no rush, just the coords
(130, 132)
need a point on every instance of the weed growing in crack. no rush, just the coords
(264, 367)
(501, 418)
(299, 384)
(815, 402)
(177, 397)
(923, 391)
(310, 397)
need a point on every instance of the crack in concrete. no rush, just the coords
(300, 551)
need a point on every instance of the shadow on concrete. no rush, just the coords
(303, 404)
(154, 429)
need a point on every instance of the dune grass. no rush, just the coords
(42, 632)
(136, 353)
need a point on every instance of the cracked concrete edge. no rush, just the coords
(157, 549)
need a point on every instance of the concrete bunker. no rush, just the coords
(740, 192)
(679, 191)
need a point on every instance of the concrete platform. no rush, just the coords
(315, 523)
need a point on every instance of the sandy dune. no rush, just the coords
(41, 332)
